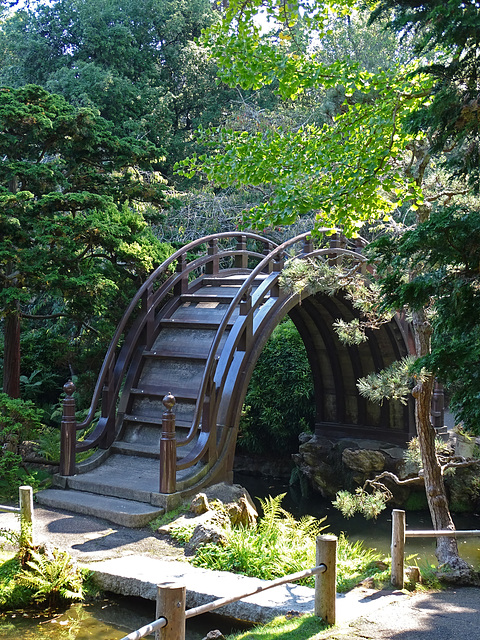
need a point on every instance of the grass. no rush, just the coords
(295, 628)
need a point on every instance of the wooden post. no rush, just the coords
(241, 259)
(211, 268)
(245, 311)
(26, 517)
(398, 547)
(326, 582)
(171, 605)
(168, 448)
(307, 245)
(68, 434)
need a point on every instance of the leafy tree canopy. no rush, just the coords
(348, 169)
(449, 32)
(134, 61)
(70, 226)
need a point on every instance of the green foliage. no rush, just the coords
(347, 168)
(317, 275)
(368, 504)
(20, 420)
(279, 403)
(392, 383)
(13, 595)
(74, 243)
(168, 516)
(443, 256)
(50, 578)
(280, 545)
(451, 118)
(53, 576)
(134, 62)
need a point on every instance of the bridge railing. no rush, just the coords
(151, 296)
(215, 374)
(170, 604)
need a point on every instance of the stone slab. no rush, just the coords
(139, 576)
(127, 513)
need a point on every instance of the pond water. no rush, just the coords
(103, 620)
(374, 533)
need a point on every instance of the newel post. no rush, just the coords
(68, 433)
(168, 448)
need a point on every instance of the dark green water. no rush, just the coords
(374, 533)
(110, 619)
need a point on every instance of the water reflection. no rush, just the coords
(108, 619)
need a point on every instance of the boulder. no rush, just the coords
(363, 460)
(236, 501)
(210, 531)
(214, 635)
(200, 504)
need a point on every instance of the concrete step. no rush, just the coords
(127, 513)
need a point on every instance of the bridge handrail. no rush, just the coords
(199, 451)
(154, 276)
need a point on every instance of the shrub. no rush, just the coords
(279, 404)
(280, 545)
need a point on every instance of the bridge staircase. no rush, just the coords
(167, 402)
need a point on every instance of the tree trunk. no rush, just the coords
(11, 364)
(447, 548)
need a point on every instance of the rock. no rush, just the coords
(199, 504)
(237, 502)
(412, 576)
(205, 533)
(214, 635)
(363, 460)
(242, 513)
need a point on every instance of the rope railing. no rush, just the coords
(400, 533)
(171, 597)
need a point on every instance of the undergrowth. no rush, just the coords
(280, 545)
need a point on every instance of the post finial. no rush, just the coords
(169, 401)
(69, 388)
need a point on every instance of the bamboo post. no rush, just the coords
(26, 517)
(171, 599)
(68, 434)
(168, 448)
(326, 583)
(398, 547)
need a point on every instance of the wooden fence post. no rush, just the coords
(398, 547)
(326, 583)
(26, 517)
(171, 599)
(168, 448)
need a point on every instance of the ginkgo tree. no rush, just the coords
(366, 163)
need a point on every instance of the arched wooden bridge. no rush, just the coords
(196, 329)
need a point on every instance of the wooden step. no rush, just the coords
(193, 354)
(205, 296)
(190, 324)
(180, 393)
(152, 421)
